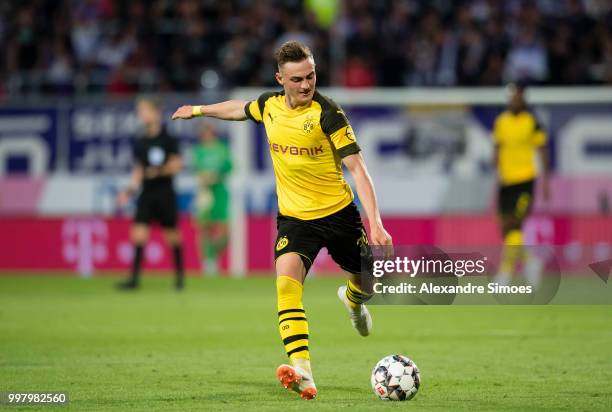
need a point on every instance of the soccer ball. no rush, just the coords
(396, 378)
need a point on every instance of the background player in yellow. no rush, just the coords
(309, 138)
(519, 138)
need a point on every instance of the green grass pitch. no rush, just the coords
(215, 346)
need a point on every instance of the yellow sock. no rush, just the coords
(292, 323)
(302, 363)
(513, 249)
(355, 295)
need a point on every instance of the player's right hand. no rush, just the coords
(183, 112)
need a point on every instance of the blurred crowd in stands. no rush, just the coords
(121, 47)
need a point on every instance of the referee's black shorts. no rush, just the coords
(342, 233)
(516, 200)
(157, 205)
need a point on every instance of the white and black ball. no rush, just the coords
(396, 378)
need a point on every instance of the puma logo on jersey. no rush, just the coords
(296, 151)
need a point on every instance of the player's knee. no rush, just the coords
(139, 234)
(291, 265)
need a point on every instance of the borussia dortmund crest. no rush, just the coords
(363, 239)
(309, 124)
(282, 242)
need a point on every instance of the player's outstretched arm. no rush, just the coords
(365, 190)
(228, 110)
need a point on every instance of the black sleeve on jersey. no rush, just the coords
(348, 150)
(332, 116)
(248, 112)
(261, 102)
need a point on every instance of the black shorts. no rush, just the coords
(516, 200)
(342, 233)
(157, 204)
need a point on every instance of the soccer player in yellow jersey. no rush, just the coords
(518, 139)
(309, 138)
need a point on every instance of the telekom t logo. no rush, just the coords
(85, 243)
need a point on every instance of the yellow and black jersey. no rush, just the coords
(518, 137)
(306, 145)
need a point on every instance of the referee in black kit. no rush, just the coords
(157, 160)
